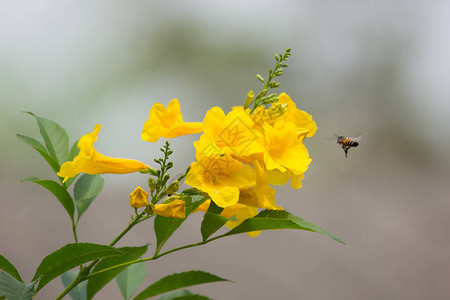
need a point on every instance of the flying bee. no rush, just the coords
(347, 142)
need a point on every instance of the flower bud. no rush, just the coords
(152, 184)
(173, 188)
(277, 110)
(138, 198)
(249, 100)
(260, 78)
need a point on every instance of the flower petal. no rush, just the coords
(174, 209)
(90, 161)
(167, 123)
(138, 198)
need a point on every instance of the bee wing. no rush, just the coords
(356, 138)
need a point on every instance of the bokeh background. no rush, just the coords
(378, 67)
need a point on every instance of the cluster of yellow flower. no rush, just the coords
(238, 156)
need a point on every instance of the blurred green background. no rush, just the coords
(378, 67)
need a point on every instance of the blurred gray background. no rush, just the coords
(379, 67)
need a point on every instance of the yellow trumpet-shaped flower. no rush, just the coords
(229, 134)
(277, 177)
(139, 198)
(174, 209)
(168, 123)
(221, 177)
(262, 194)
(285, 149)
(90, 161)
(300, 118)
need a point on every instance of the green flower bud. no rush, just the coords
(277, 110)
(260, 78)
(151, 184)
(249, 100)
(173, 188)
(272, 84)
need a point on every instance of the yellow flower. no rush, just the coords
(277, 177)
(91, 162)
(285, 150)
(240, 212)
(220, 177)
(229, 134)
(138, 198)
(300, 118)
(167, 122)
(174, 209)
(262, 194)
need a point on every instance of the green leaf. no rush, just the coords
(211, 223)
(5, 265)
(79, 291)
(177, 281)
(55, 138)
(41, 149)
(214, 209)
(175, 294)
(130, 279)
(13, 289)
(58, 190)
(278, 219)
(165, 227)
(97, 282)
(86, 189)
(68, 257)
(183, 295)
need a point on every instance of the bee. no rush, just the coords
(347, 142)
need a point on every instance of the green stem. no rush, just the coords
(155, 256)
(77, 280)
(81, 276)
(74, 230)
(131, 225)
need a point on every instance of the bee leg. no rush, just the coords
(345, 150)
